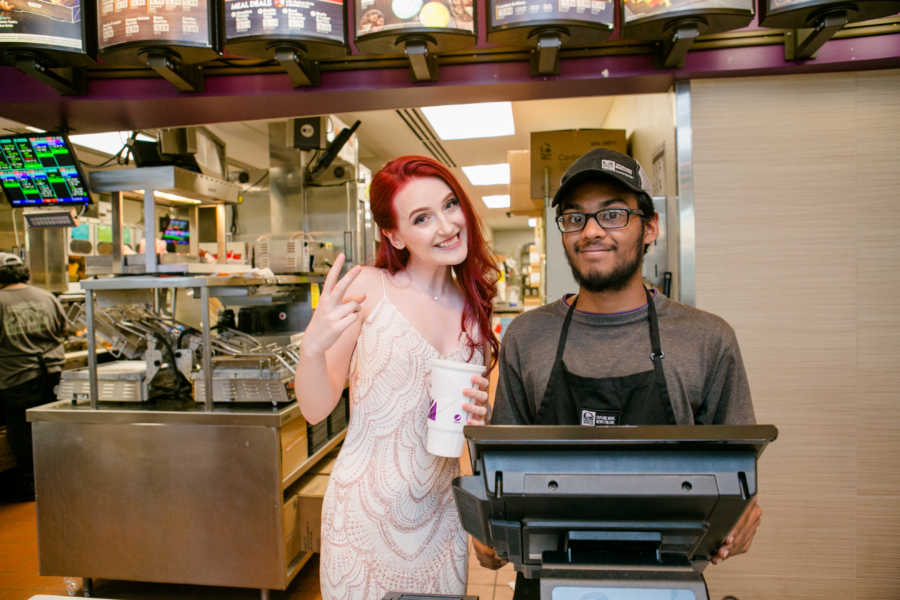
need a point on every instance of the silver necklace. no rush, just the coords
(434, 297)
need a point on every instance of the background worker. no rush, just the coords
(32, 330)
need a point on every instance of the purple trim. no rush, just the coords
(153, 102)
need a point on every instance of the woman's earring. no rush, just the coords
(398, 244)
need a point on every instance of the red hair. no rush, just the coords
(476, 275)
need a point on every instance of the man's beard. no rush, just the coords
(615, 280)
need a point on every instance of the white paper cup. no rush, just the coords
(446, 417)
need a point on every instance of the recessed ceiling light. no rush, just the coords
(497, 174)
(496, 201)
(467, 121)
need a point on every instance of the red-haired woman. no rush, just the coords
(389, 521)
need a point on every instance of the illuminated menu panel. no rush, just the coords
(56, 24)
(40, 170)
(525, 12)
(175, 21)
(373, 16)
(786, 4)
(642, 9)
(285, 18)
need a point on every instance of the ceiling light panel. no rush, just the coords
(497, 174)
(109, 142)
(496, 201)
(468, 121)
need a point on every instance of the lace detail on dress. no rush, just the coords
(389, 522)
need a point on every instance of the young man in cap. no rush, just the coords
(32, 329)
(617, 353)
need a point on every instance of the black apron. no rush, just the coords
(638, 399)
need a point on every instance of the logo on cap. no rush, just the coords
(611, 165)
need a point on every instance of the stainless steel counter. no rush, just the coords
(172, 495)
(187, 412)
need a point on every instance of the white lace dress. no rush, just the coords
(389, 521)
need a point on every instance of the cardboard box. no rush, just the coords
(302, 516)
(557, 150)
(325, 466)
(521, 202)
(520, 199)
(519, 166)
(293, 456)
(292, 431)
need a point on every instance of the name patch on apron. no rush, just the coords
(598, 418)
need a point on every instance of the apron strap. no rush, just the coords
(656, 353)
(564, 334)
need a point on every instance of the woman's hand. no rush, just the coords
(479, 410)
(335, 312)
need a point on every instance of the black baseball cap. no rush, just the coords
(600, 163)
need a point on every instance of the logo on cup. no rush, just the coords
(457, 418)
(432, 412)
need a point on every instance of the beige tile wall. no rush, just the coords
(797, 199)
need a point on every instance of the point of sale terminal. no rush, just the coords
(613, 513)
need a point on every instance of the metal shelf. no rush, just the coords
(194, 186)
(214, 286)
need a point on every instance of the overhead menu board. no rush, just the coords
(269, 20)
(805, 13)
(650, 18)
(527, 12)
(639, 9)
(55, 25)
(584, 21)
(153, 22)
(373, 16)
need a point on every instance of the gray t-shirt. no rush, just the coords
(704, 372)
(32, 324)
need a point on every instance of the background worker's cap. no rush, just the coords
(600, 163)
(9, 260)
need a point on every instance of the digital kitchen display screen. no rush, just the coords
(175, 21)
(285, 18)
(40, 170)
(373, 16)
(524, 12)
(56, 24)
(178, 231)
(641, 9)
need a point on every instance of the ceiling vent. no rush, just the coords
(420, 128)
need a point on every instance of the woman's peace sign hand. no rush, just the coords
(335, 312)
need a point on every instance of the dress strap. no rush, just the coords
(383, 284)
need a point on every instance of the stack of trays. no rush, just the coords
(317, 435)
(337, 420)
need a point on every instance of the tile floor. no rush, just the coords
(20, 580)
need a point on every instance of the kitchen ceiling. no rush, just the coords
(385, 134)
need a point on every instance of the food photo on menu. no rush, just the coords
(644, 8)
(382, 15)
(58, 21)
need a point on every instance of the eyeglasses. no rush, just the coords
(607, 218)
